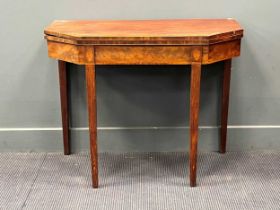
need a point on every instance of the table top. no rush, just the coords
(180, 31)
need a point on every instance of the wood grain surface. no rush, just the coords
(92, 119)
(194, 117)
(63, 84)
(143, 55)
(77, 54)
(180, 31)
(225, 104)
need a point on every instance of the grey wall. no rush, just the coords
(142, 108)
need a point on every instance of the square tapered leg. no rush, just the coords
(92, 117)
(194, 116)
(225, 104)
(64, 105)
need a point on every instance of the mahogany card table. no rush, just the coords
(194, 42)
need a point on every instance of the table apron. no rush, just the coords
(143, 55)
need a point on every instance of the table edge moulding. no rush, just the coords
(194, 42)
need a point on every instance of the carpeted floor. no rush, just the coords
(236, 180)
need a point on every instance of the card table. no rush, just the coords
(194, 42)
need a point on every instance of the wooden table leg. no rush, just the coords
(225, 103)
(64, 105)
(194, 116)
(91, 100)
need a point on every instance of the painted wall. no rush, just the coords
(142, 108)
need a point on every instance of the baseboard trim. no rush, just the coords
(138, 128)
(140, 139)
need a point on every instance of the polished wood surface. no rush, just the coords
(225, 104)
(141, 55)
(221, 51)
(92, 115)
(197, 54)
(64, 105)
(194, 116)
(145, 42)
(184, 31)
(77, 54)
